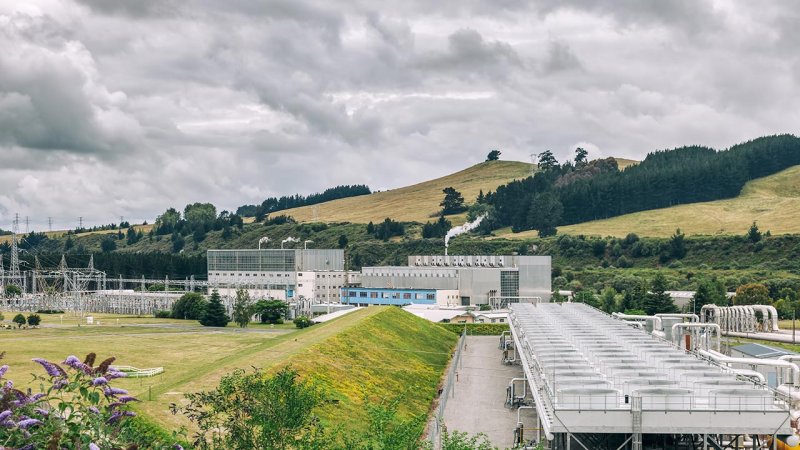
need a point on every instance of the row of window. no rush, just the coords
(222, 274)
(394, 295)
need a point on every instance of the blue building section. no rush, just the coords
(388, 296)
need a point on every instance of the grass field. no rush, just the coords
(772, 201)
(415, 203)
(58, 233)
(379, 351)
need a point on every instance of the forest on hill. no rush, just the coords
(274, 204)
(580, 190)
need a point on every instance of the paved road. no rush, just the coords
(477, 405)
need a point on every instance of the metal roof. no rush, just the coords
(760, 351)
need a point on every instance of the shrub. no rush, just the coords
(162, 314)
(20, 320)
(77, 407)
(34, 320)
(476, 329)
(302, 322)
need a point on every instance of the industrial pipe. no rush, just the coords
(756, 362)
(707, 326)
(765, 317)
(656, 320)
(692, 317)
(775, 319)
(714, 313)
(750, 374)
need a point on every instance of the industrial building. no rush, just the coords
(614, 382)
(484, 279)
(283, 274)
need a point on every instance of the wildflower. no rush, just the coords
(9, 385)
(177, 447)
(94, 446)
(127, 399)
(26, 423)
(52, 369)
(5, 415)
(113, 374)
(94, 410)
(41, 412)
(75, 363)
(60, 384)
(110, 392)
(3, 370)
(99, 381)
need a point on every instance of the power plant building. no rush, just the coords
(477, 279)
(279, 273)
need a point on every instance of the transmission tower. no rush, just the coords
(533, 163)
(50, 224)
(15, 275)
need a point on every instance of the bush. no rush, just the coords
(161, 314)
(34, 320)
(303, 322)
(20, 320)
(190, 306)
(75, 408)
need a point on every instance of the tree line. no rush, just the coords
(273, 204)
(579, 191)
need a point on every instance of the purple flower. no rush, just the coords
(127, 399)
(99, 381)
(60, 384)
(109, 391)
(5, 415)
(53, 370)
(177, 447)
(94, 410)
(113, 374)
(9, 385)
(7, 423)
(41, 412)
(3, 370)
(28, 447)
(114, 417)
(75, 363)
(23, 424)
(94, 446)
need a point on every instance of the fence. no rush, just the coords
(437, 422)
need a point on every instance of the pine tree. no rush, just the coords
(215, 315)
(657, 300)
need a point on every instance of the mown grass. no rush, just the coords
(391, 354)
(773, 202)
(194, 357)
(416, 203)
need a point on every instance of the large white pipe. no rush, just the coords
(757, 362)
(774, 314)
(750, 373)
(766, 322)
(714, 309)
(656, 320)
(691, 317)
(707, 326)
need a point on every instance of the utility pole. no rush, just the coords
(16, 276)
(80, 223)
(50, 224)
(27, 225)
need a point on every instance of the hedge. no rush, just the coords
(476, 329)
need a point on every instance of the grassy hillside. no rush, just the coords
(772, 201)
(387, 355)
(416, 203)
(622, 163)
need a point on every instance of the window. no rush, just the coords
(395, 295)
(430, 296)
(362, 294)
(373, 295)
(407, 296)
(502, 320)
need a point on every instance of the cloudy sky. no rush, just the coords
(114, 108)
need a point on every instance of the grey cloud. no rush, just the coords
(134, 104)
(469, 54)
(560, 57)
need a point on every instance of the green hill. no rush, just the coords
(392, 353)
(415, 203)
(773, 202)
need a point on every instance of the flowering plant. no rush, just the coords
(75, 408)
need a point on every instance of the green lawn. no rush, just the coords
(194, 357)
